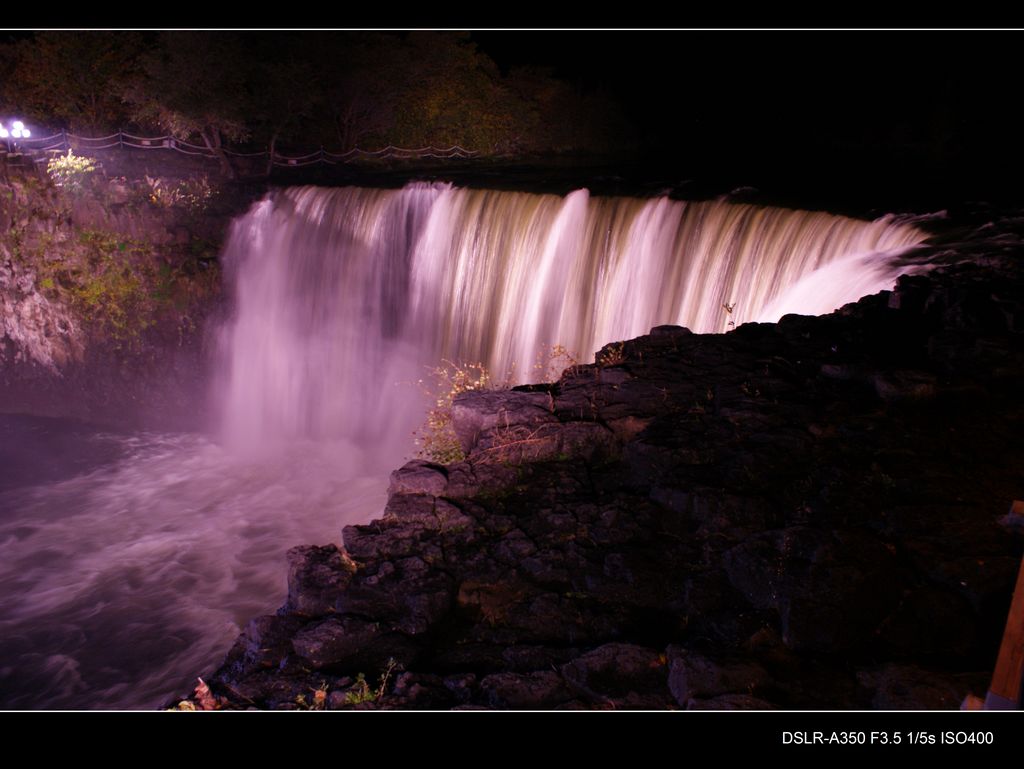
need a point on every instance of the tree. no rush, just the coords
(285, 92)
(194, 84)
(567, 118)
(359, 73)
(73, 79)
(451, 94)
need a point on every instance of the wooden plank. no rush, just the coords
(1005, 690)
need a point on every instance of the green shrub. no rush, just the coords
(111, 285)
(70, 171)
(361, 691)
(115, 301)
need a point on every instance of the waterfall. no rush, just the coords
(344, 296)
(142, 556)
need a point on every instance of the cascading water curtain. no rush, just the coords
(343, 296)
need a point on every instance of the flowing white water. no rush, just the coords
(122, 584)
(343, 295)
(130, 568)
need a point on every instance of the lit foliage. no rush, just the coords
(613, 354)
(452, 94)
(71, 171)
(118, 288)
(436, 438)
(194, 195)
(552, 361)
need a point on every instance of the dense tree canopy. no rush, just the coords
(72, 79)
(302, 90)
(193, 84)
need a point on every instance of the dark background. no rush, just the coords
(919, 115)
(837, 118)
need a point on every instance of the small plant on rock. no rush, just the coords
(436, 438)
(194, 195)
(361, 691)
(202, 699)
(552, 361)
(612, 355)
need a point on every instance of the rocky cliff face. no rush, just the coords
(807, 514)
(34, 330)
(103, 293)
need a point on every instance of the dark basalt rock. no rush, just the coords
(729, 702)
(317, 578)
(536, 690)
(906, 687)
(622, 675)
(350, 645)
(795, 515)
(693, 676)
(831, 589)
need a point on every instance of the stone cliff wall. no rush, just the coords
(807, 514)
(104, 293)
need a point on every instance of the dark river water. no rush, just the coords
(130, 562)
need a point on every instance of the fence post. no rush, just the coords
(64, 139)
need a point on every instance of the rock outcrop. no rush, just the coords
(103, 296)
(34, 331)
(794, 515)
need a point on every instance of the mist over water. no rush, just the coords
(129, 563)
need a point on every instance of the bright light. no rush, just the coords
(18, 131)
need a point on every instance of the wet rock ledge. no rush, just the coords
(809, 514)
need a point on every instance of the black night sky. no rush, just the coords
(906, 112)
